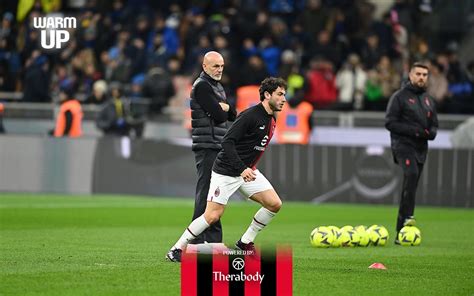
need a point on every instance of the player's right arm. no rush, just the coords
(233, 136)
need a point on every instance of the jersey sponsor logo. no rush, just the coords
(258, 148)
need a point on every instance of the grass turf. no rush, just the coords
(115, 245)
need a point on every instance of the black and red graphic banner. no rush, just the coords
(234, 273)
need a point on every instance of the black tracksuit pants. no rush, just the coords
(204, 162)
(411, 175)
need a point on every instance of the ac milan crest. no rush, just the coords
(217, 192)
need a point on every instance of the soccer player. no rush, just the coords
(235, 168)
(412, 121)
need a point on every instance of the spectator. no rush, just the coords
(10, 64)
(278, 31)
(7, 32)
(174, 66)
(197, 52)
(422, 51)
(99, 93)
(461, 90)
(324, 48)
(83, 68)
(320, 84)
(136, 91)
(118, 62)
(249, 48)
(270, 54)
(371, 51)
(116, 118)
(195, 27)
(259, 28)
(60, 74)
(437, 85)
(142, 29)
(6, 79)
(159, 87)
(350, 81)
(383, 30)
(315, 17)
(389, 78)
(36, 83)
(373, 91)
(253, 72)
(158, 53)
(338, 27)
(287, 66)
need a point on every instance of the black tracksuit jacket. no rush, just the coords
(412, 121)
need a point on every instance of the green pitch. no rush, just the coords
(109, 245)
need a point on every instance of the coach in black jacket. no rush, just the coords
(210, 114)
(412, 121)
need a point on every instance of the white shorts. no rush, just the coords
(222, 186)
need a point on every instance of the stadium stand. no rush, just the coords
(126, 41)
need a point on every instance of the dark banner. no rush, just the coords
(123, 166)
(366, 174)
(301, 173)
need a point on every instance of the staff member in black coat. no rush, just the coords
(412, 121)
(210, 114)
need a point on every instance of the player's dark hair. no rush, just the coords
(270, 84)
(419, 65)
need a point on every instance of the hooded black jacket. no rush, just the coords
(412, 120)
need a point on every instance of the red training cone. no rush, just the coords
(377, 266)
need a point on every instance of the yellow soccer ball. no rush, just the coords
(363, 234)
(354, 237)
(336, 233)
(378, 235)
(409, 236)
(322, 237)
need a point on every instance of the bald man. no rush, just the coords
(210, 114)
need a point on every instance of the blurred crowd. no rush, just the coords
(335, 54)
